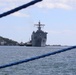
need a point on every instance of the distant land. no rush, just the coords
(9, 42)
(6, 41)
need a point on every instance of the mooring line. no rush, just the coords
(19, 8)
(37, 57)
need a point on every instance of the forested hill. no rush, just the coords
(7, 41)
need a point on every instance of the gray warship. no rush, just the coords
(39, 37)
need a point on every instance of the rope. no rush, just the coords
(19, 8)
(37, 57)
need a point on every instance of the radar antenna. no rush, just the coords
(39, 25)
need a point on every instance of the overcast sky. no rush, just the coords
(59, 17)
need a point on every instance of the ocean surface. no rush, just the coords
(59, 64)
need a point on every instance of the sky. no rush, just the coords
(59, 17)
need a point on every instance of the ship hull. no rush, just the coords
(40, 42)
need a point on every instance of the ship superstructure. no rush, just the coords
(39, 37)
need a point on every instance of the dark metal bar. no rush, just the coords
(19, 8)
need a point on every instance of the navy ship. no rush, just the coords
(39, 37)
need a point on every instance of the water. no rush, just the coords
(59, 64)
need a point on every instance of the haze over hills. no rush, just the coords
(7, 41)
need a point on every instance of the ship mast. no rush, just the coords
(39, 25)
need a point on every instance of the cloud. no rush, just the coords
(48, 4)
(62, 4)
(54, 5)
(19, 14)
(11, 4)
(12, 1)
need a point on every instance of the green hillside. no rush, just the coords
(6, 41)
